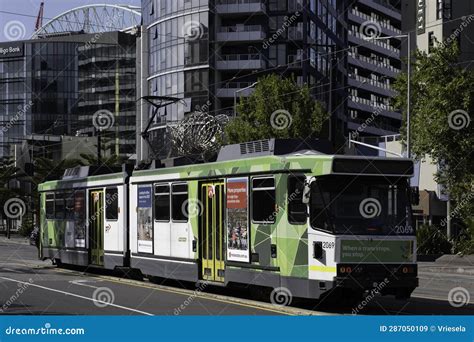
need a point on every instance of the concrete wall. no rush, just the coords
(460, 24)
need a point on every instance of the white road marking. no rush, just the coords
(81, 282)
(78, 296)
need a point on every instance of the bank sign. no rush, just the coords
(12, 49)
(421, 17)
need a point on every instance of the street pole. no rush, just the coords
(408, 98)
(330, 96)
(448, 218)
(99, 148)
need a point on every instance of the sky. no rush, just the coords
(18, 17)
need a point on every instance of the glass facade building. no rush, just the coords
(177, 34)
(38, 92)
(107, 81)
(208, 51)
(53, 86)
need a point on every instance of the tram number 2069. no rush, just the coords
(329, 244)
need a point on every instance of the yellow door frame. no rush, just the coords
(212, 230)
(96, 227)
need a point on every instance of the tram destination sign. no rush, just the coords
(376, 250)
(12, 49)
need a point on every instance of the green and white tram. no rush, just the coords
(263, 214)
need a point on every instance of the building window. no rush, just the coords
(278, 5)
(439, 9)
(111, 204)
(162, 203)
(152, 7)
(431, 41)
(447, 9)
(50, 206)
(443, 9)
(263, 200)
(297, 213)
(179, 205)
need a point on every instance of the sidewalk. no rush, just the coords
(449, 264)
(14, 238)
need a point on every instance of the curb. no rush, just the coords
(16, 241)
(447, 269)
(200, 294)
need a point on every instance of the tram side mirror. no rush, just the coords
(307, 190)
(415, 195)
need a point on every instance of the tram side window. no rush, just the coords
(111, 204)
(59, 206)
(162, 203)
(263, 200)
(50, 206)
(69, 205)
(80, 204)
(297, 210)
(179, 197)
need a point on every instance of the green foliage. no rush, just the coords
(113, 160)
(464, 245)
(440, 86)
(8, 172)
(430, 240)
(27, 226)
(278, 108)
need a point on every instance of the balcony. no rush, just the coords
(240, 7)
(378, 129)
(241, 62)
(380, 46)
(384, 23)
(241, 33)
(383, 7)
(371, 85)
(369, 106)
(373, 64)
(229, 89)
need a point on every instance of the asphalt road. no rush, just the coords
(29, 286)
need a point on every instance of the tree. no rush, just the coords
(278, 108)
(442, 101)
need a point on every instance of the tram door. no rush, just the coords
(96, 227)
(212, 231)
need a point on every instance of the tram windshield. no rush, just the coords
(361, 205)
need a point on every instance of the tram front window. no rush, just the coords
(361, 205)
